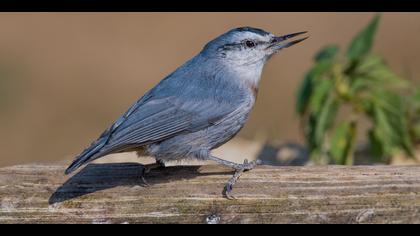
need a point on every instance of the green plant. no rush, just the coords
(358, 85)
(413, 103)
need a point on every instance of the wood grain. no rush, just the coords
(111, 193)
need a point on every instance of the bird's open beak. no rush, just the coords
(280, 42)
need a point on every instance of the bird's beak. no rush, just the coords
(280, 42)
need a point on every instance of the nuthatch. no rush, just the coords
(200, 106)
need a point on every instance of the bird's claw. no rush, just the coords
(144, 171)
(147, 168)
(227, 192)
(246, 166)
(145, 183)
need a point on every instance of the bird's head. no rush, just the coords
(247, 46)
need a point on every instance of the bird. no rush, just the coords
(198, 107)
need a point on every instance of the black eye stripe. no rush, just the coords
(253, 41)
(232, 46)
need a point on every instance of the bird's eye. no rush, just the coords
(249, 43)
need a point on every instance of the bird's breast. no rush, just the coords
(253, 88)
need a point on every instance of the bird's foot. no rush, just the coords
(239, 169)
(144, 172)
(146, 169)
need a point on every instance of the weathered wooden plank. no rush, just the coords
(110, 193)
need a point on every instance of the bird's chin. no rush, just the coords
(272, 53)
(276, 48)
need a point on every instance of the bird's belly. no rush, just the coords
(198, 144)
(224, 131)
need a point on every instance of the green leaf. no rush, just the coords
(318, 123)
(413, 102)
(342, 142)
(304, 93)
(327, 53)
(362, 43)
(325, 119)
(415, 131)
(383, 130)
(389, 102)
(416, 96)
(390, 123)
(309, 84)
(376, 147)
(320, 94)
(382, 76)
(309, 129)
(370, 61)
(359, 84)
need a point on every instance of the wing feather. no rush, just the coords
(159, 119)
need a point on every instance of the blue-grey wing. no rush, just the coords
(159, 119)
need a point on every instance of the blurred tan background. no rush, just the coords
(65, 77)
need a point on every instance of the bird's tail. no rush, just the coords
(88, 155)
